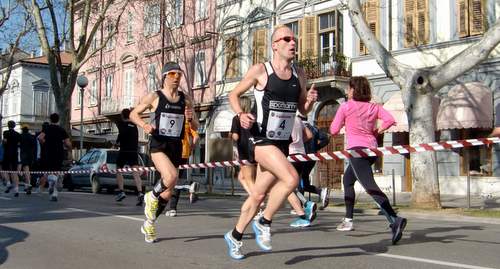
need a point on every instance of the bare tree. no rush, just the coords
(418, 86)
(15, 35)
(76, 30)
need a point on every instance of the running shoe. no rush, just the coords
(171, 213)
(9, 188)
(310, 210)
(262, 235)
(300, 223)
(28, 190)
(149, 231)
(233, 246)
(345, 225)
(121, 195)
(140, 199)
(53, 198)
(325, 198)
(194, 187)
(151, 206)
(16, 194)
(397, 229)
(193, 197)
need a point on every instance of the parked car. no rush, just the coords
(96, 160)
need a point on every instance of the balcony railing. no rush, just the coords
(110, 105)
(316, 67)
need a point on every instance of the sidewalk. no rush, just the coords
(453, 206)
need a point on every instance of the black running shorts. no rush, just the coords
(171, 148)
(127, 158)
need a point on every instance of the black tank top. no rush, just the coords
(276, 105)
(169, 118)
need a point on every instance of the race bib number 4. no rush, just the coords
(280, 125)
(171, 124)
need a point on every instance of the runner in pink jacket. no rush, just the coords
(359, 117)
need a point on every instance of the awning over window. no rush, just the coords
(468, 105)
(223, 120)
(397, 109)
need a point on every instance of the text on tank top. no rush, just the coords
(277, 104)
(169, 117)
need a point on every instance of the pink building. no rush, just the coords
(150, 33)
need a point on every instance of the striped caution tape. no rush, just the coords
(322, 156)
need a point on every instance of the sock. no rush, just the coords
(237, 235)
(265, 221)
(348, 219)
(158, 188)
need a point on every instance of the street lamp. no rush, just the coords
(82, 82)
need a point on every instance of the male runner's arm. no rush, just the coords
(250, 79)
(189, 114)
(307, 97)
(146, 103)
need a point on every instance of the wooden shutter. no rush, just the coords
(259, 46)
(370, 10)
(416, 22)
(232, 62)
(476, 17)
(463, 17)
(409, 10)
(422, 18)
(308, 28)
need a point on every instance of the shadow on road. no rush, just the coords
(9, 236)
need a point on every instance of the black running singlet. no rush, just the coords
(169, 118)
(276, 105)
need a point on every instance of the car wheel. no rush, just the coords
(96, 185)
(68, 183)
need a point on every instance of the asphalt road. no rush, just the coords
(83, 230)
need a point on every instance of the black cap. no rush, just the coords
(170, 66)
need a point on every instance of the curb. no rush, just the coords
(441, 216)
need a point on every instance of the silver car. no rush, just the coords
(96, 160)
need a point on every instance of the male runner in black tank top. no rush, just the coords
(281, 94)
(170, 107)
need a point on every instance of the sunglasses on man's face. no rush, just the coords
(286, 39)
(173, 75)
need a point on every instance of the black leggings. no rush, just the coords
(360, 169)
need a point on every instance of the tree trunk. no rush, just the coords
(425, 191)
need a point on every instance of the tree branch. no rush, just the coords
(386, 61)
(465, 60)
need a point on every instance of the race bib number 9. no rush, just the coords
(171, 124)
(280, 125)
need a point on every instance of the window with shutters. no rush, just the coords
(174, 13)
(259, 53)
(416, 22)
(130, 27)
(232, 61)
(471, 17)
(41, 102)
(93, 93)
(327, 38)
(110, 28)
(109, 85)
(152, 79)
(371, 11)
(199, 65)
(201, 9)
(151, 19)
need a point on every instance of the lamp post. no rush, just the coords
(82, 82)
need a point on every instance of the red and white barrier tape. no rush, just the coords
(322, 156)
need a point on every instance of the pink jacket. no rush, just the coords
(360, 121)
